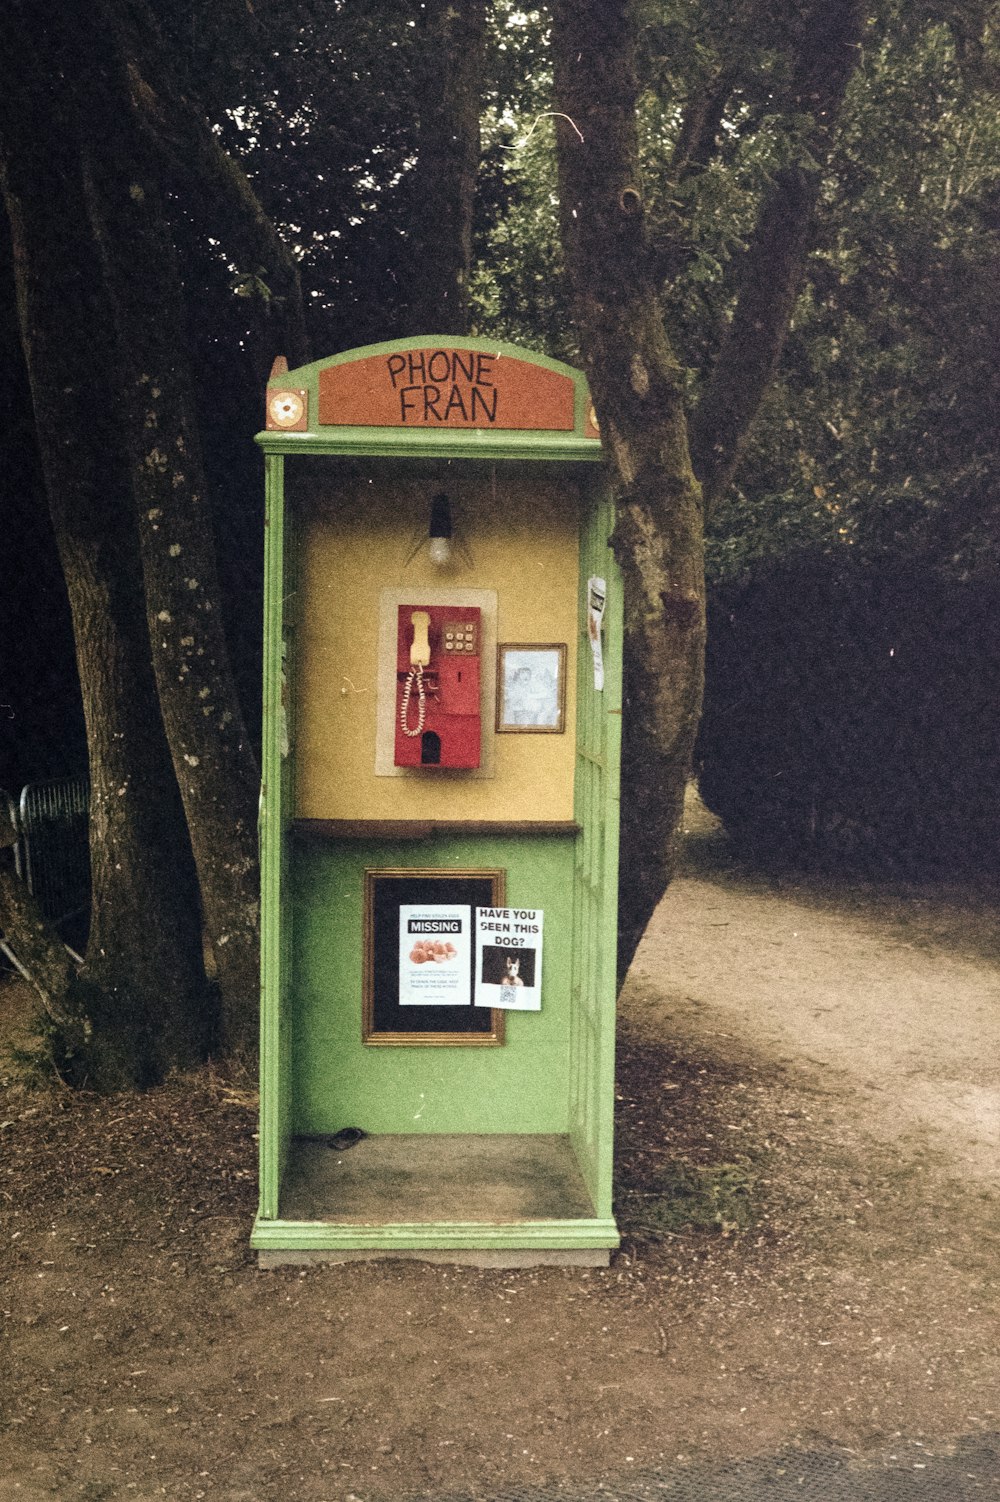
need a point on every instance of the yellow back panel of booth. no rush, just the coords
(516, 534)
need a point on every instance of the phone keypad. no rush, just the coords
(461, 637)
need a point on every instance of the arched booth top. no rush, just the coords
(438, 397)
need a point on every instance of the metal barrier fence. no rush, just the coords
(52, 854)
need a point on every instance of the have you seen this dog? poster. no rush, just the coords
(509, 958)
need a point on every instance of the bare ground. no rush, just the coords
(820, 1063)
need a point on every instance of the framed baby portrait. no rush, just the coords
(531, 687)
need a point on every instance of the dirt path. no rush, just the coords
(807, 1098)
(889, 1001)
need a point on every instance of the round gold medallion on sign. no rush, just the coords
(285, 408)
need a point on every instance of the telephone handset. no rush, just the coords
(437, 661)
(420, 657)
(420, 651)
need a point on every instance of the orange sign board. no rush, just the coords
(445, 388)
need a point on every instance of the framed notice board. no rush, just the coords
(387, 1021)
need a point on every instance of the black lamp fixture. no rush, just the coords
(441, 537)
(440, 530)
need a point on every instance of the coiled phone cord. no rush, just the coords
(415, 673)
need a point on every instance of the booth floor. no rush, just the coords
(416, 1178)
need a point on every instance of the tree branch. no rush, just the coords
(770, 273)
(700, 124)
(443, 182)
(212, 182)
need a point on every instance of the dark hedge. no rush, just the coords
(851, 714)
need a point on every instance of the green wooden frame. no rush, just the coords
(596, 873)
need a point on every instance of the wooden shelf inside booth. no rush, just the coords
(424, 829)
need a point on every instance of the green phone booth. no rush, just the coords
(439, 811)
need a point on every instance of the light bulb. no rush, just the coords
(440, 551)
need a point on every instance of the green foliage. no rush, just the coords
(699, 219)
(519, 290)
(518, 287)
(880, 431)
(320, 104)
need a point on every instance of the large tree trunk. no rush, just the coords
(637, 388)
(637, 383)
(439, 262)
(213, 761)
(160, 557)
(143, 956)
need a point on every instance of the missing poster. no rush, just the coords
(435, 949)
(509, 958)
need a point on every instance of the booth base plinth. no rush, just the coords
(490, 1201)
(594, 1257)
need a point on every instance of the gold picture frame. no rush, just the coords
(531, 688)
(387, 1024)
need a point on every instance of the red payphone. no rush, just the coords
(437, 686)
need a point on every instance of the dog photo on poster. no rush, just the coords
(509, 958)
